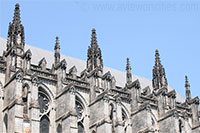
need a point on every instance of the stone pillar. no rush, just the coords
(86, 121)
(69, 123)
(19, 103)
(176, 122)
(119, 124)
(161, 97)
(34, 107)
(195, 112)
(129, 127)
(100, 112)
(135, 93)
(52, 117)
(1, 107)
(92, 89)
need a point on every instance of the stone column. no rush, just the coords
(1, 107)
(195, 112)
(70, 121)
(119, 124)
(19, 103)
(34, 107)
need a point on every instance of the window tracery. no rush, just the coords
(124, 119)
(44, 124)
(43, 102)
(59, 129)
(80, 115)
(79, 109)
(44, 106)
(5, 119)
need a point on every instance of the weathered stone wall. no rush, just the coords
(97, 112)
(140, 121)
(168, 125)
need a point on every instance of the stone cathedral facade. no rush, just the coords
(46, 92)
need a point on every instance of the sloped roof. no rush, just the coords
(38, 54)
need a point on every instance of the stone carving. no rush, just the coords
(43, 103)
(109, 103)
(25, 101)
(159, 77)
(94, 58)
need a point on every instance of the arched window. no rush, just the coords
(5, 120)
(124, 119)
(44, 124)
(59, 129)
(79, 109)
(80, 127)
(25, 100)
(44, 103)
(124, 116)
(111, 111)
(180, 126)
(80, 115)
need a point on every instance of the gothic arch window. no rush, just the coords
(25, 100)
(124, 119)
(5, 120)
(43, 100)
(124, 115)
(59, 129)
(44, 105)
(44, 124)
(80, 115)
(180, 126)
(79, 109)
(111, 111)
(80, 127)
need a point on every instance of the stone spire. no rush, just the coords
(128, 72)
(187, 87)
(94, 57)
(159, 77)
(57, 51)
(16, 17)
(16, 31)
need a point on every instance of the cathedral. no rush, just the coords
(46, 92)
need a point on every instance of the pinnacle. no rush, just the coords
(93, 31)
(94, 39)
(187, 87)
(157, 53)
(16, 18)
(17, 5)
(128, 67)
(57, 45)
(159, 77)
(157, 57)
(187, 84)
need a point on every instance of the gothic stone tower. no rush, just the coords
(61, 97)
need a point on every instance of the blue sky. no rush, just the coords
(131, 29)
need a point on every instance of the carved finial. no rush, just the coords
(128, 72)
(57, 51)
(159, 77)
(187, 86)
(157, 59)
(16, 18)
(94, 39)
(94, 54)
(57, 44)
